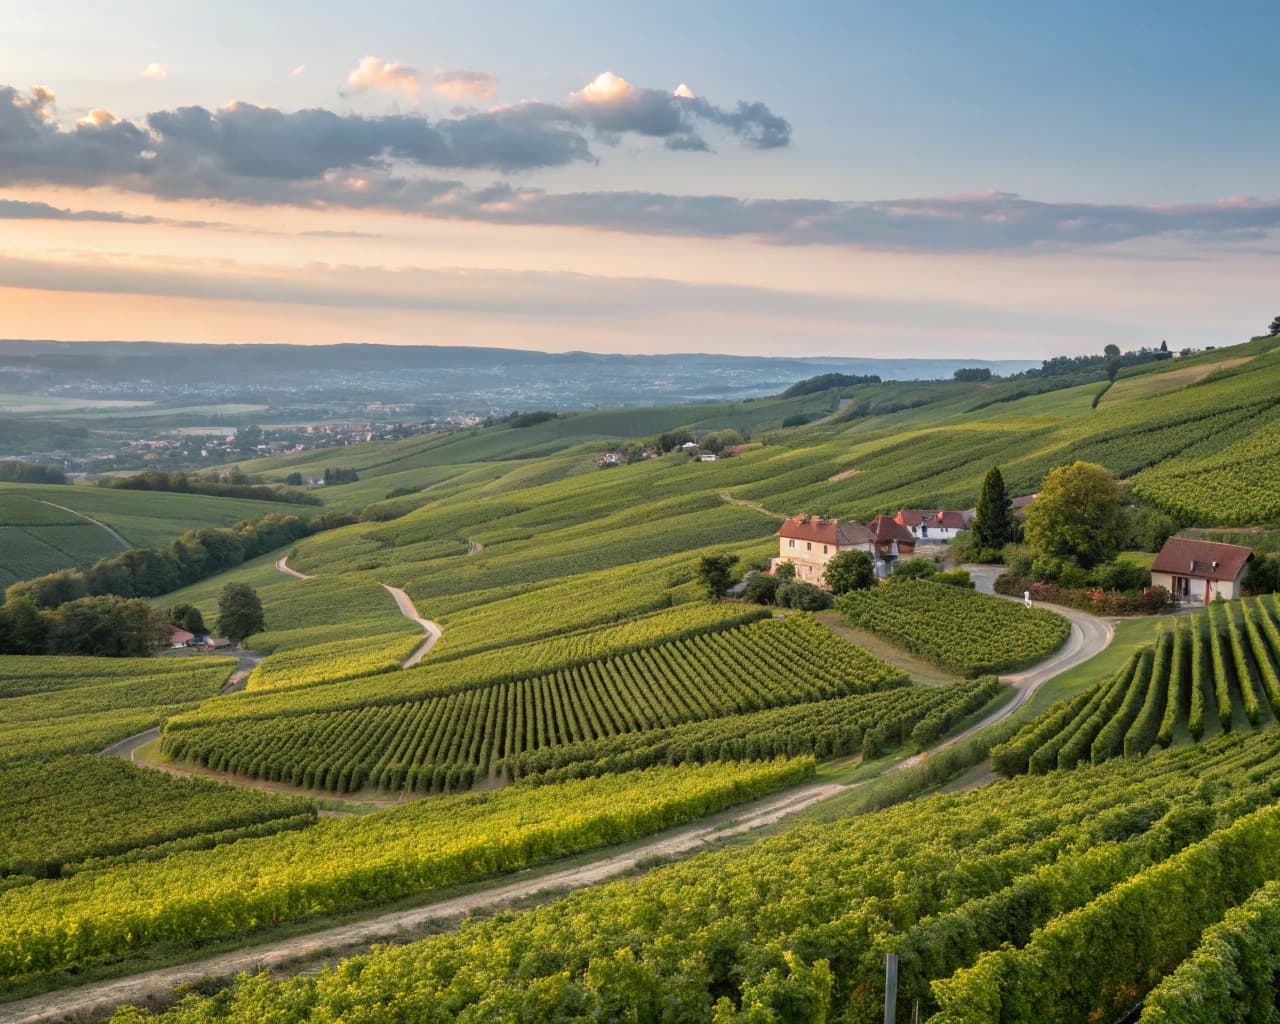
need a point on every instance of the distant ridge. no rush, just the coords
(161, 359)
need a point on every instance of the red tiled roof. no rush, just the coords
(825, 531)
(1202, 559)
(886, 529)
(946, 519)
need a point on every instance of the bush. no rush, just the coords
(803, 597)
(1151, 601)
(914, 569)
(761, 588)
(955, 578)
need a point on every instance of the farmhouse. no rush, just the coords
(932, 525)
(810, 542)
(1198, 570)
(892, 540)
(179, 637)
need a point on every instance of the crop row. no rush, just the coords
(447, 741)
(962, 631)
(56, 816)
(1197, 674)
(340, 864)
(440, 675)
(100, 709)
(870, 724)
(996, 901)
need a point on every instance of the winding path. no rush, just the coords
(403, 602)
(122, 541)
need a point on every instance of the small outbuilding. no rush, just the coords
(1198, 571)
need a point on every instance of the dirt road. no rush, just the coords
(283, 565)
(407, 609)
(123, 542)
(100, 998)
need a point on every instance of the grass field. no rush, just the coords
(36, 538)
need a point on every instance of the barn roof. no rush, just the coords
(1202, 559)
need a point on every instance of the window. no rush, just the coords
(808, 546)
(792, 543)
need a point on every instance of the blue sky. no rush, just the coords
(1140, 139)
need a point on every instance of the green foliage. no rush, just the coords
(761, 588)
(827, 381)
(50, 706)
(450, 741)
(715, 574)
(962, 631)
(1077, 515)
(1231, 973)
(993, 524)
(13, 471)
(1197, 671)
(994, 899)
(99, 810)
(806, 597)
(239, 611)
(199, 895)
(188, 617)
(955, 578)
(846, 571)
(914, 569)
(233, 484)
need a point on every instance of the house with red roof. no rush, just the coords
(893, 541)
(932, 524)
(1196, 571)
(810, 542)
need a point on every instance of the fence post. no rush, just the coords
(890, 988)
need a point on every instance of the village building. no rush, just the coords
(932, 524)
(179, 637)
(1199, 571)
(810, 542)
(892, 542)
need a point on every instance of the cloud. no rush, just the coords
(156, 71)
(14, 209)
(612, 105)
(309, 157)
(372, 73)
(458, 85)
(298, 70)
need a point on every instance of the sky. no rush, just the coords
(841, 179)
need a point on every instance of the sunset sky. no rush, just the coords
(931, 179)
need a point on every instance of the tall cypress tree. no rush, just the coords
(993, 524)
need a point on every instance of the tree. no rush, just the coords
(849, 570)
(188, 617)
(784, 572)
(1112, 351)
(993, 523)
(294, 479)
(1275, 326)
(761, 588)
(715, 573)
(22, 627)
(239, 611)
(1078, 515)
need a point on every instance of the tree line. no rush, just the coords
(194, 555)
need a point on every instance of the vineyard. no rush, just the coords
(962, 631)
(450, 741)
(231, 890)
(1208, 673)
(50, 706)
(69, 815)
(989, 899)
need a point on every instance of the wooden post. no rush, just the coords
(890, 988)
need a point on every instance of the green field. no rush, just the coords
(586, 691)
(36, 538)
